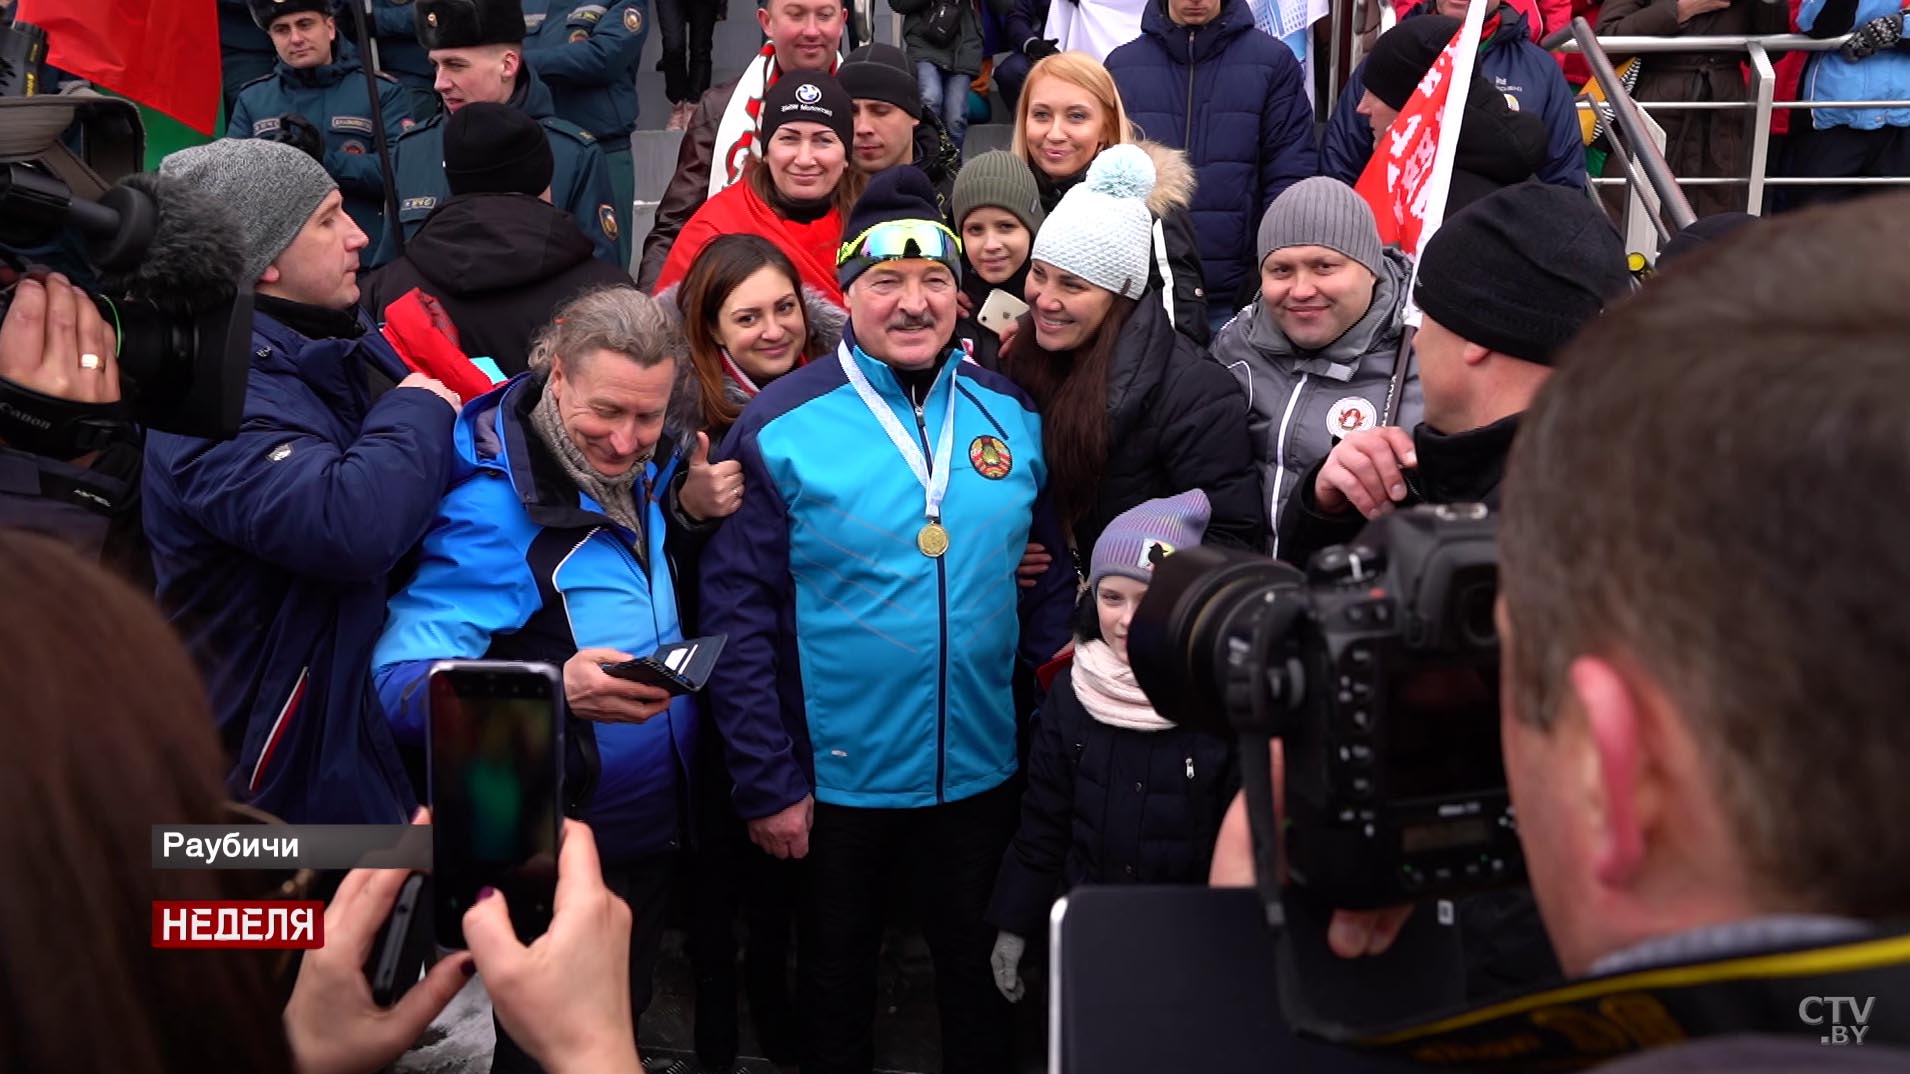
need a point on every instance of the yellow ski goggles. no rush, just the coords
(896, 239)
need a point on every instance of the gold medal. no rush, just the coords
(932, 540)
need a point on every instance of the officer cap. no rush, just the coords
(264, 11)
(467, 23)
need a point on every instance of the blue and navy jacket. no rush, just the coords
(520, 565)
(1830, 76)
(1235, 100)
(272, 552)
(333, 97)
(587, 52)
(1528, 76)
(579, 185)
(857, 667)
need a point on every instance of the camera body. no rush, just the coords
(1377, 668)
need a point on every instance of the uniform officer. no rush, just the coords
(315, 99)
(401, 57)
(478, 49)
(587, 51)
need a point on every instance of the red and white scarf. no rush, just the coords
(736, 140)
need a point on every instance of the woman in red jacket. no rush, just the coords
(796, 195)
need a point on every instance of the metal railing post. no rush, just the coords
(1672, 204)
(1763, 89)
(1336, 22)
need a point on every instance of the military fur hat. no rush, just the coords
(264, 11)
(467, 23)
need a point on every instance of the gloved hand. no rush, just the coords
(1039, 48)
(299, 133)
(1874, 36)
(1006, 960)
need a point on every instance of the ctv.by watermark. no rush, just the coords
(1845, 1018)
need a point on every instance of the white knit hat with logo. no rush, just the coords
(1103, 231)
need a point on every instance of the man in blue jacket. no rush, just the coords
(587, 53)
(315, 100)
(478, 47)
(272, 549)
(402, 57)
(1203, 79)
(1526, 74)
(867, 588)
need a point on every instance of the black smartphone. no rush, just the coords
(682, 667)
(495, 767)
(399, 952)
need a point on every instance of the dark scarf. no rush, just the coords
(802, 212)
(312, 322)
(616, 495)
(1052, 189)
(1462, 467)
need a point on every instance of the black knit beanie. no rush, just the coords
(496, 149)
(879, 72)
(898, 193)
(1403, 55)
(808, 97)
(1522, 269)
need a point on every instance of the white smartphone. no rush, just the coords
(1000, 310)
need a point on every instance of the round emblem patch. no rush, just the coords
(608, 218)
(633, 20)
(579, 35)
(355, 148)
(990, 457)
(1350, 415)
(808, 93)
(1512, 102)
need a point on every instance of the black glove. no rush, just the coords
(1874, 36)
(299, 133)
(1039, 48)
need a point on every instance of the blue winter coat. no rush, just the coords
(271, 552)
(1884, 76)
(857, 666)
(1509, 60)
(1234, 99)
(587, 52)
(1109, 805)
(395, 25)
(520, 565)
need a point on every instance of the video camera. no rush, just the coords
(166, 262)
(1377, 668)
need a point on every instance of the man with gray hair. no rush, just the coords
(272, 549)
(1315, 351)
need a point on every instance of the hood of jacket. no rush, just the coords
(1173, 181)
(482, 242)
(1256, 338)
(1192, 45)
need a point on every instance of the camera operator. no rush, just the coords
(55, 343)
(272, 549)
(1503, 284)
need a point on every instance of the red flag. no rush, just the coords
(163, 54)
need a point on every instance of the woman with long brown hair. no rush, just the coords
(1131, 410)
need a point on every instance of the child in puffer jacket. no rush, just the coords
(1116, 793)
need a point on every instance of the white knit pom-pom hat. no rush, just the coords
(1102, 231)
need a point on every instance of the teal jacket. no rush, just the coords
(580, 185)
(587, 52)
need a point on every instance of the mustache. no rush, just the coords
(911, 322)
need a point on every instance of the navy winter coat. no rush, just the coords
(272, 551)
(1109, 805)
(1515, 66)
(1233, 98)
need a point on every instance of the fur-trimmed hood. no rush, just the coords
(1174, 180)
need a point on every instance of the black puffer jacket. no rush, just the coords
(1108, 805)
(501, 264)
(1177, 420)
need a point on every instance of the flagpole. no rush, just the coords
(378, 140)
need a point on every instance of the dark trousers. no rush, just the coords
(688, 27)
(644, 883)
(1840, 152)
(1010, 75)
(951, 853)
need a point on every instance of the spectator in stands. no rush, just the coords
(892, 126)
(245, 51)
(1202, 79)
(1130, 409)
(1873, 66)
(498, 256)
(689, 34)
(997, 213)
(1522, 72)
(1095, 27)
(403, 58)
(272, 550)
(721, 138)
(1025, 34)
(797, 195)
(1096, 735)
(551, 546)
(1070, 112)
(866, 709)
(1698, 144)
(1316, 351)
(944, 39)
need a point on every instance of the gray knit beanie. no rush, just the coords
(1323, 212)
(1142, 536)
(271, 188)
(1102, 231)
(1001, 180)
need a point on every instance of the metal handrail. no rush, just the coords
(1628, 129)
(1563, 41)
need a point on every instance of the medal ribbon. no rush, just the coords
(934, 482)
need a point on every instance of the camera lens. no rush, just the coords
(1201, 610)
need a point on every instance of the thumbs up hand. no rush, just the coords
(710, 490)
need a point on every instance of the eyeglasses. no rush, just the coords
(893, 239)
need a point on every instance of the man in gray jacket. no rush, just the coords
(1316, 351)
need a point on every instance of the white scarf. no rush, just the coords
(1106, 688)
(736, 131)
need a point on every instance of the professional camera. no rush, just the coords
(1378, 670)
(166, 259)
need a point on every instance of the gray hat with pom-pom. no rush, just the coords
(1103, 231)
